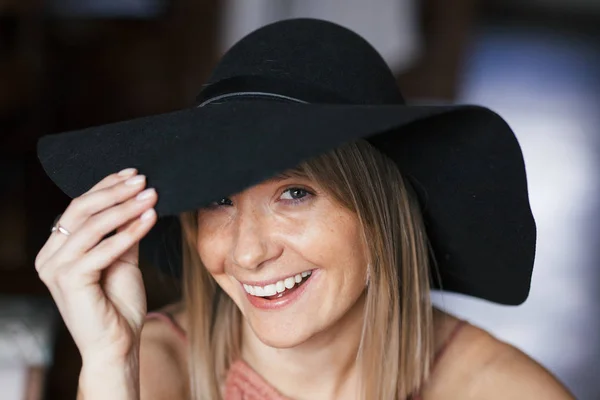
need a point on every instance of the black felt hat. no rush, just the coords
(298, 88)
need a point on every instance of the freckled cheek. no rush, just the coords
(301, 235)
(212, 250)
(346, 253)
(324, 242)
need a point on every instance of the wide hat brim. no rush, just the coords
(463, 161)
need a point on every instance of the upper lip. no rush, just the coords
(271, 281)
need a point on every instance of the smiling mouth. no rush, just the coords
(280, 288)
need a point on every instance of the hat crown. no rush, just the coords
(318, 54)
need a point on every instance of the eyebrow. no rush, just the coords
(290, 174)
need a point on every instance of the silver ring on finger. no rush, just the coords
(57, 227)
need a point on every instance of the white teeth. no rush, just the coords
(289, 283)
(270, 290)
(278, 287)
(249, 289)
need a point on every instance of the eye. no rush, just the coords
(225, 201)
(295, 194)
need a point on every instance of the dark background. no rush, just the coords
(67, 64)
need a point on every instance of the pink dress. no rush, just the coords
(243, 383)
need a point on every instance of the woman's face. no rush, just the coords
(289, 256)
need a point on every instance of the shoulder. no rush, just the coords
(476, 365)
(163, 364)
(510, 373)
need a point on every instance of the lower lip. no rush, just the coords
(276, 304)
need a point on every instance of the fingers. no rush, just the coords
(109, 191)
(85, 206)
(86, 269)
(113, 179)
(118, 246)
(96, 227)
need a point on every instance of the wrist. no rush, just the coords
(99, 360)
(110, 379)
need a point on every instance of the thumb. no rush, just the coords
(131, 256)
(123, 284)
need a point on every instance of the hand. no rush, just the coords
(95, 281)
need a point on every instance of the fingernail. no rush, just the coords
(136, 180)
(148, 214)
(127, 172)
(145, 194)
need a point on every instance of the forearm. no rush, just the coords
(115, 381)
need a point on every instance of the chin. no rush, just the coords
(282, 336)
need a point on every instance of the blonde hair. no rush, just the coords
(396, 348)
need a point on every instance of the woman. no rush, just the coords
(316, 210)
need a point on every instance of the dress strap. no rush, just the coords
(459, 325)
(168, 318)
(457, 328)
(243, 383)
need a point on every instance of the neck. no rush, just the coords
(322, 367)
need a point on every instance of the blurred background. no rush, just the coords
(67, 64)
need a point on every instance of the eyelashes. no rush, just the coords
(225, 201)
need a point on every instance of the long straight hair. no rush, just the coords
(396, 347)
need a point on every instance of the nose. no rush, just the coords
(252, 245)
